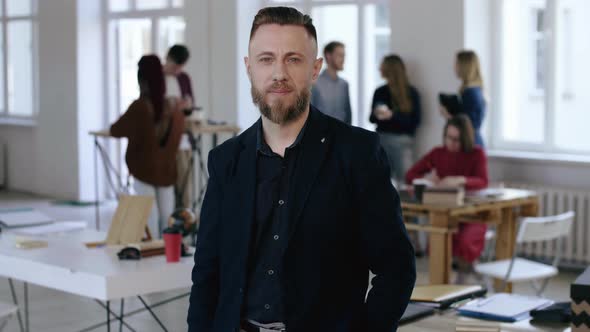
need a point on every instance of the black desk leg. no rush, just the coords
(121, 315)
(28, 328)
(108, 316)
(15, 300)
(96, 207)
(153, 314)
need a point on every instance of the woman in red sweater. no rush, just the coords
(458, 163)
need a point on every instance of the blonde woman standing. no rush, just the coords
(396, 111)
(473, 103)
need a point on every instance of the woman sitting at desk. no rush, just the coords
(459, 162)
(153, 129)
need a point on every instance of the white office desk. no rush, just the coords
(68, 265)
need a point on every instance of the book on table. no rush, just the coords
(442, 296)
(454, 196)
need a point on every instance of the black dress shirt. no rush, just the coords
(264, 293)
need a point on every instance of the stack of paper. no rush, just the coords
(444, 196)
(22, 218)
(53, 228)
(503, 307)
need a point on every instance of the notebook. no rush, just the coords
(503, 307)
(442, 296)
(414, 312)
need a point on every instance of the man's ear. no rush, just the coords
(317, 66)
(247, 64)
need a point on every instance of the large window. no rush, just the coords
(544, 104)
(136, 28)
(17, 59)
(363, 26)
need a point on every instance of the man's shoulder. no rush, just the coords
(225, 152)
(353, 138)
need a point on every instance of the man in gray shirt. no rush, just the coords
(330, 92)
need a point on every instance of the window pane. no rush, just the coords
(18, 7)
(376, 46)
(522, 104)
(2, 110)
(20, 71)
(151, 4)
(572, 112)
(178, 3)
(134, 40)
(171, 32)
(119, 5)
(340, 23)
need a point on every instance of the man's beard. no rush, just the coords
(281, 113)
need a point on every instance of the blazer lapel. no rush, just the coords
(244, 187)
(315, 144)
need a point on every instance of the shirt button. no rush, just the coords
(276, 237)
(271, 272)
(241, 290)
(281, 202)
(267, 306)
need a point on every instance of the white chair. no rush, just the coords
(518, 269)
(6, 311)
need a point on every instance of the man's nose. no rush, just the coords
(279, 73)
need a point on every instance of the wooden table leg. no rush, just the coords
(530, 210)
(505, 243)
(440, 250)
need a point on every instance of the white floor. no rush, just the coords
(53, 311)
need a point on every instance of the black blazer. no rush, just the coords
(346, 220)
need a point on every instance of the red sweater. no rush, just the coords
(472, 165)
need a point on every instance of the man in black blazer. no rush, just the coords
(299, 208)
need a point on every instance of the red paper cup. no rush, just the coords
(172, 244)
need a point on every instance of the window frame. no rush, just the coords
(6, 115)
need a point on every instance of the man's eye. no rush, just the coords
(294, 60)
(265, 60)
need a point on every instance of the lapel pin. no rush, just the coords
(323, 139)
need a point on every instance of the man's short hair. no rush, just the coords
(283, 16)
(179, 54)
(331, 46)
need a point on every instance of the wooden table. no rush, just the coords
(502, 209)
(197, 130)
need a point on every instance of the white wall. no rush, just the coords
(427, 34)
(56, 168)
(558, 174)
(211, 37)
(20, 154)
